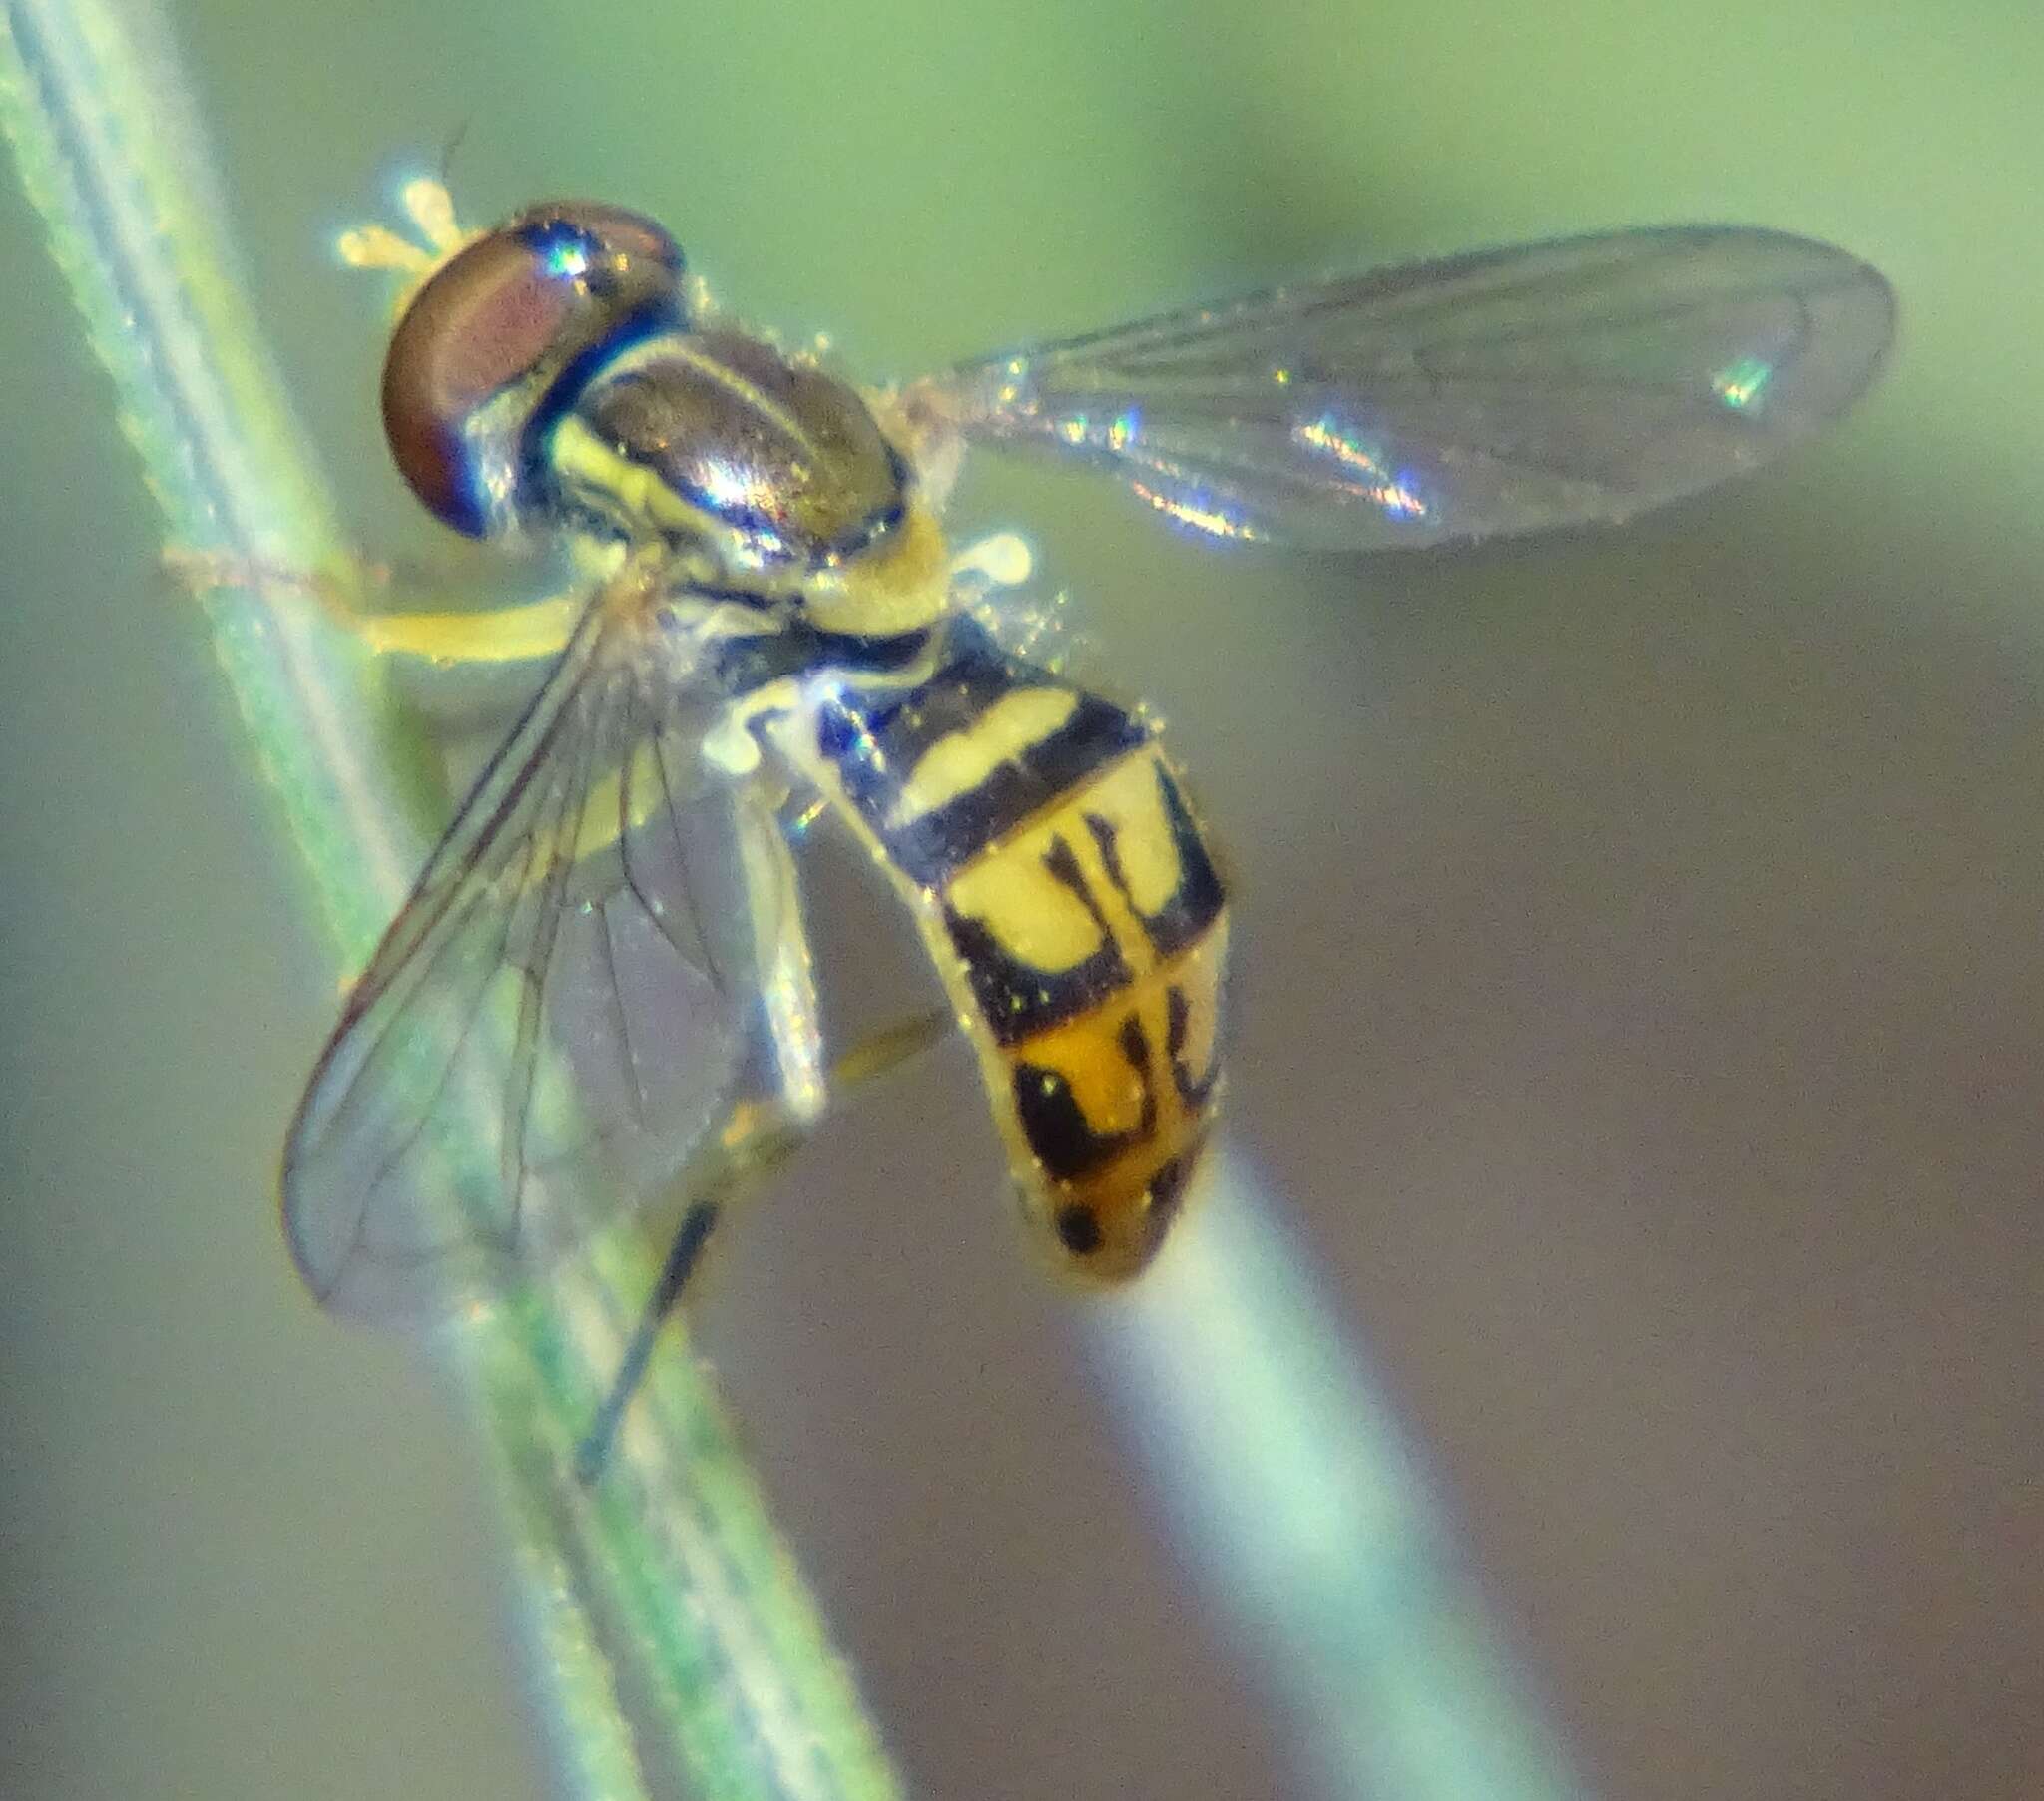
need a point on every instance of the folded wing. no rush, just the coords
(563, 1006)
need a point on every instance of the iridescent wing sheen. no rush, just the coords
(564, 1004)
(1503, 391)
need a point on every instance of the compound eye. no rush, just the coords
(483, 341)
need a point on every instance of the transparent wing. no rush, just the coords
(1504, 391)
(565, 1002)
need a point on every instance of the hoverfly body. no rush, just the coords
(603, 958)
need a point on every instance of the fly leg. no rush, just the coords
(456, 665)
(757, 1143)
(522, 634)
(683, 1258)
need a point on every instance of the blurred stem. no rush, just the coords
(671, 1634)
(1308, 1523)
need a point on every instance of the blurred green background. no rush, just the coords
(1640, 1008)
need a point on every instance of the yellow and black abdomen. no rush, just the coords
(1069, 900)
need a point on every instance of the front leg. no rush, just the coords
(428, 642)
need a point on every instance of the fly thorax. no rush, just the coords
(774, 470)
(778, 463)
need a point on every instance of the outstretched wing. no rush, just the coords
(1504, 391)
(565, 1002)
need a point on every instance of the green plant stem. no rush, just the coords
(671, 1632)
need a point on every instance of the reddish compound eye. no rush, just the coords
(478, 355)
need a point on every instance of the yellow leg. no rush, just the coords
(505, 634)
(882, 1052)
(759, 1134)
(527, 633)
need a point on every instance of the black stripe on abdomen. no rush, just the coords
(876, 737)
(1055, 1125)
(1197, 900)
(1016, 998)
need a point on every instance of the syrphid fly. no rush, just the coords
(603, 964)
